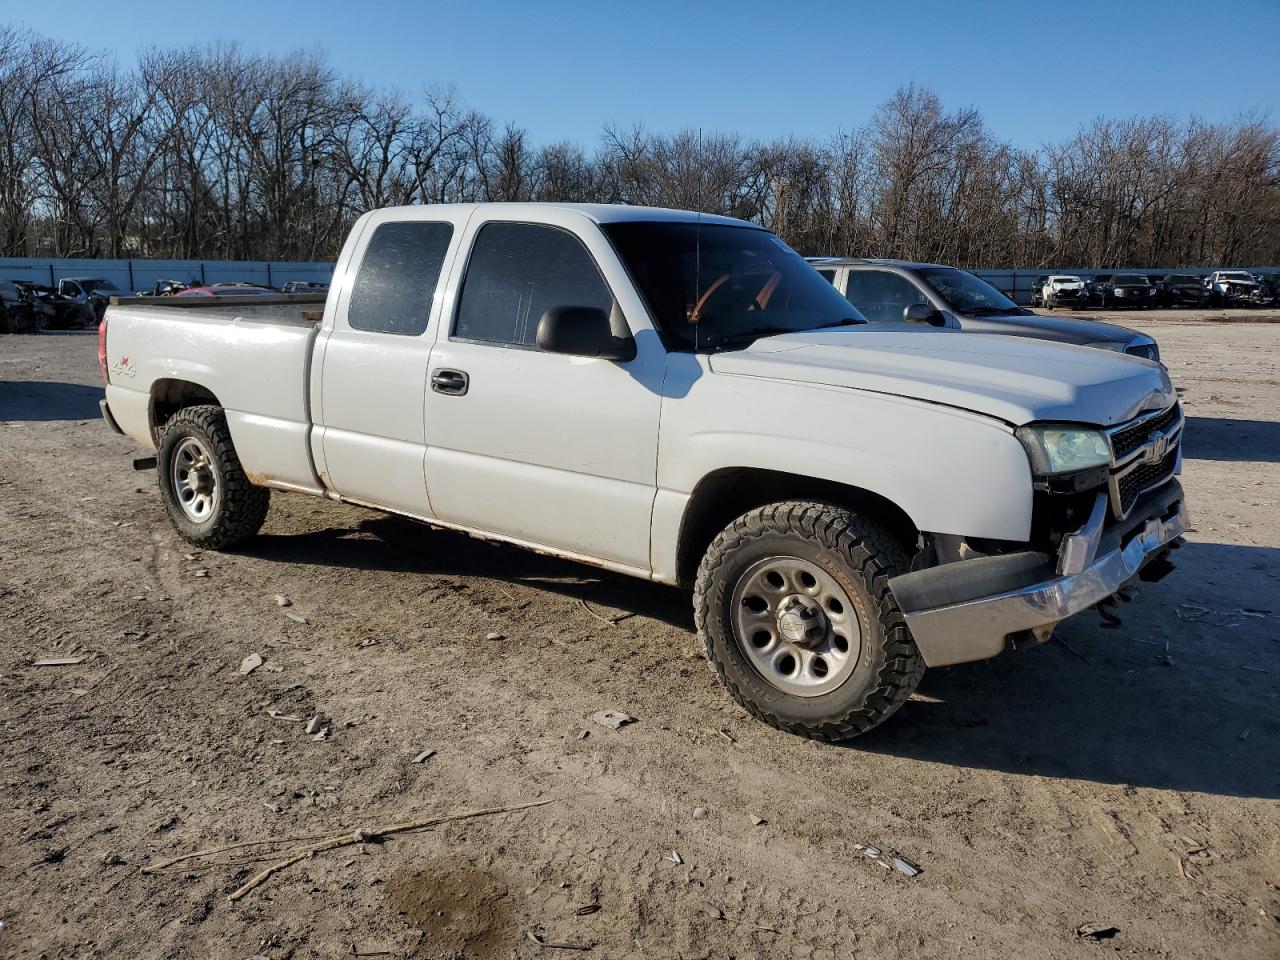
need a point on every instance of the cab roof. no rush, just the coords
(599, 212)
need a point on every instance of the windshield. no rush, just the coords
(98, 283)
(965, 293)
(1128, 279)
(711, 285)
(1236, 276)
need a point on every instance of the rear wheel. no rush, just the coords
(793, 605)
(209, 499)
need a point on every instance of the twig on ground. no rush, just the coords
(611, 621)
(359, 836)
(554, 945)
(210, 851)
(329, 842)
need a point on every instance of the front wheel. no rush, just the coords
(209, 499)
(793, 605)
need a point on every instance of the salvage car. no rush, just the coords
(1037, 291)
(16, 312)
(227, 290)
(680, 398)
(1112, 290)
(305, 286)
(1180, 290)
(1232, 288)
(1269, 286)
(1062, 290)
(167, 288)
(54, 311)
(905, 294)
(94, 291)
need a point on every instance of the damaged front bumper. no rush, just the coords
(972, 609)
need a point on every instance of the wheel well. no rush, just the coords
(170, 396)
(723, 496)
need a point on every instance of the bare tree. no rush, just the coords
(215, 152)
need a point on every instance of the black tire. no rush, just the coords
(240, 507)
(861, 556)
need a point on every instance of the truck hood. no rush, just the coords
(1010, 378)
(1062, 329)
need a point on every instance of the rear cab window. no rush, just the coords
(398, 276)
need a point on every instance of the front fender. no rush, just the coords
(949, 470)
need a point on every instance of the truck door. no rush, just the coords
(544, 448)
(370, 421)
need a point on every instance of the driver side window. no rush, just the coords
(881, 296)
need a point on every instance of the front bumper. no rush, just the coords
(970, 609)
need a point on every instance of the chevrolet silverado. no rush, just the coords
(682, 398)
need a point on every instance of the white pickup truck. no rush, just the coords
(682, 398)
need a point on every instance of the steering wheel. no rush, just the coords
(728, 296)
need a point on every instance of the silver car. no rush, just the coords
(896, 292)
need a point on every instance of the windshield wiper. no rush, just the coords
(744, 338)
(994, 311)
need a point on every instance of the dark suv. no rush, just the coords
(898, 292)
(1110, 290)
(1180, 289)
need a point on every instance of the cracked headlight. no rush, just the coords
(1057, 448)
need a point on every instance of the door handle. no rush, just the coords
(454, 383)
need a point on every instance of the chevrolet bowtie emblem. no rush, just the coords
(1156, 447)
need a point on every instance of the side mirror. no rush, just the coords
(583, 332)
(922, 313)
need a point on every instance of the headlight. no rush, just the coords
(1056, 448)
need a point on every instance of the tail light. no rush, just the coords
(102, 350)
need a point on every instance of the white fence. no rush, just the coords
(139, 275)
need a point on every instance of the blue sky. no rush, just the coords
(563, 70)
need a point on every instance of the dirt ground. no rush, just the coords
(1125, 778)
(1156, 317)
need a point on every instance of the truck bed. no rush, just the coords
(287, 307)
(251, 355)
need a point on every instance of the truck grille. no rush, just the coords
(1144, 455)
(1126, 439)
(1145, 476)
